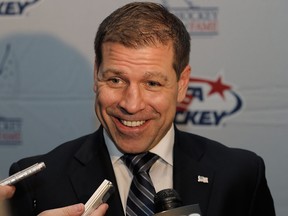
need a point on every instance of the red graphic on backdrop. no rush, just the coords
(206, 113)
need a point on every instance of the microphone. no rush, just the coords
(168, 203)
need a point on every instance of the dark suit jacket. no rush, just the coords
(236, 180)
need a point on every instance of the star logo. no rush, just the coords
(218, 87)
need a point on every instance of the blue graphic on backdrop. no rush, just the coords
(208, 103)
(200, 21)
(36, 67)
(9, 73)
(12, 8)
(36, 71)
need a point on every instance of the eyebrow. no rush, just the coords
(147, 75)
(113, 71)
(155, 74)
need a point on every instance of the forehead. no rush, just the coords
(156, 55)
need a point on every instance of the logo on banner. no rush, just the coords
(10, 130)
(208, 103)
(12, 8)
(198, 20)
(9, 72)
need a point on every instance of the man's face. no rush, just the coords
(136, 94)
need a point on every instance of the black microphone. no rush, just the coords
(168, 203)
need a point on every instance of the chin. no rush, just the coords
(133, 149)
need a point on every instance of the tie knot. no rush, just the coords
(137, 163)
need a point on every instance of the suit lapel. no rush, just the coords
(91, 166)
(190, 174)
(87, 171)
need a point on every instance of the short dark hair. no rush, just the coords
(141, 24)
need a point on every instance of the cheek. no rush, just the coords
(163, 103)
(105, 99)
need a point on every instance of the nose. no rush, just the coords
(132, 99)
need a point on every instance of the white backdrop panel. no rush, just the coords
(46, 76)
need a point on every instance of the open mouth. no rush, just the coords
(132, 123)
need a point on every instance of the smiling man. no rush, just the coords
(137, 93)
(141, 73)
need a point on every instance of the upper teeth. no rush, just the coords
(132, 123)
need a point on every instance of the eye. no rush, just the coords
(114, 80)
(153, 84)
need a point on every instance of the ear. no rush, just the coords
(183, 83)
(95, 76)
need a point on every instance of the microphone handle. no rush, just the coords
(190, 210)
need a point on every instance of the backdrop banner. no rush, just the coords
(237, 92)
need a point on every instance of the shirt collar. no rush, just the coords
(164, 149)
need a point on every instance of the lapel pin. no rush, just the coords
(203, 179)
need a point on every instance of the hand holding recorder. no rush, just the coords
(75, 210)
(95, 206)
(6, 185)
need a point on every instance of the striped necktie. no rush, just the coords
(140, 201)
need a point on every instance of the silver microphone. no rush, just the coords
(13, 179)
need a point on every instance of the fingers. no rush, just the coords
(73, 210)
(101, 210)
(6, 192)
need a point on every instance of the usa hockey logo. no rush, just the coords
(12, 8)
(208, 102)
(199, 20)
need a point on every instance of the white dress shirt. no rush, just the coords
(161, 172)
